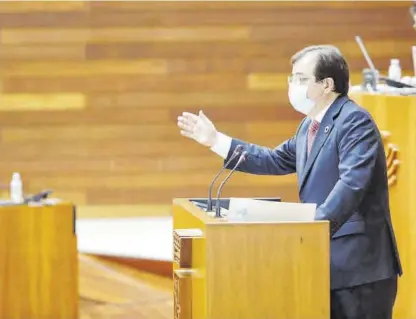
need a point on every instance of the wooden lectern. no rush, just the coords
(38, 262)
(245, 270)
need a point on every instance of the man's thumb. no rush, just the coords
(203, 117)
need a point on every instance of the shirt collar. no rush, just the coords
(321, 114)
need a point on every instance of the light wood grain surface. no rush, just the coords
(109, 290)
(38, 262)
(244, 270)
(91, 90)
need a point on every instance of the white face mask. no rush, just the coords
(298, 97)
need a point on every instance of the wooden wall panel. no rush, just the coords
(91, 90)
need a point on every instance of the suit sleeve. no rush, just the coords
(265, 161)
(358, 146)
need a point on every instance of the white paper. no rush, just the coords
(247, 209)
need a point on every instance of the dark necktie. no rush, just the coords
(313, 129)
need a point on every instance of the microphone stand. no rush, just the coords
(232, 157)
(218, 207)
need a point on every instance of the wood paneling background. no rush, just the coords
(90, 92)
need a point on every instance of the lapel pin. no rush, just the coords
(326, 129)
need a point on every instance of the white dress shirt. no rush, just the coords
(223, 143)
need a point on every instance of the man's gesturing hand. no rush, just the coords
(198, 127)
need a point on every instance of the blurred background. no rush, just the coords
(90, 94)
(91, 90)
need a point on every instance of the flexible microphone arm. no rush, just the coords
(242, 158)
(236, 152)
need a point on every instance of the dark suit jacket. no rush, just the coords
(345, 175)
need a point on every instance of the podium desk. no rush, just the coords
(38, 262)
(246, 270)
(396, 118)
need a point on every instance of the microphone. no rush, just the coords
(242, 158)
(236, 152)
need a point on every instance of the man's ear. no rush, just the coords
(329, 85)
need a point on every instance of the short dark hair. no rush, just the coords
(329, 64)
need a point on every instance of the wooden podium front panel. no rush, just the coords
(396, 118)
(189, 263)
(270, 270)
(38, 262)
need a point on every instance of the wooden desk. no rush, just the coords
(396, 118)
(38, 262)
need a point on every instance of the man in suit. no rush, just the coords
(338, 155)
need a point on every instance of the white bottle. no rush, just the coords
(16, 188)
(395, 71)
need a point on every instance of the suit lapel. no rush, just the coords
(324, 131)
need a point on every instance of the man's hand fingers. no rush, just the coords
(187, 121)
(190, 117)
(185, 125)
(187, 134)
(187, 128)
